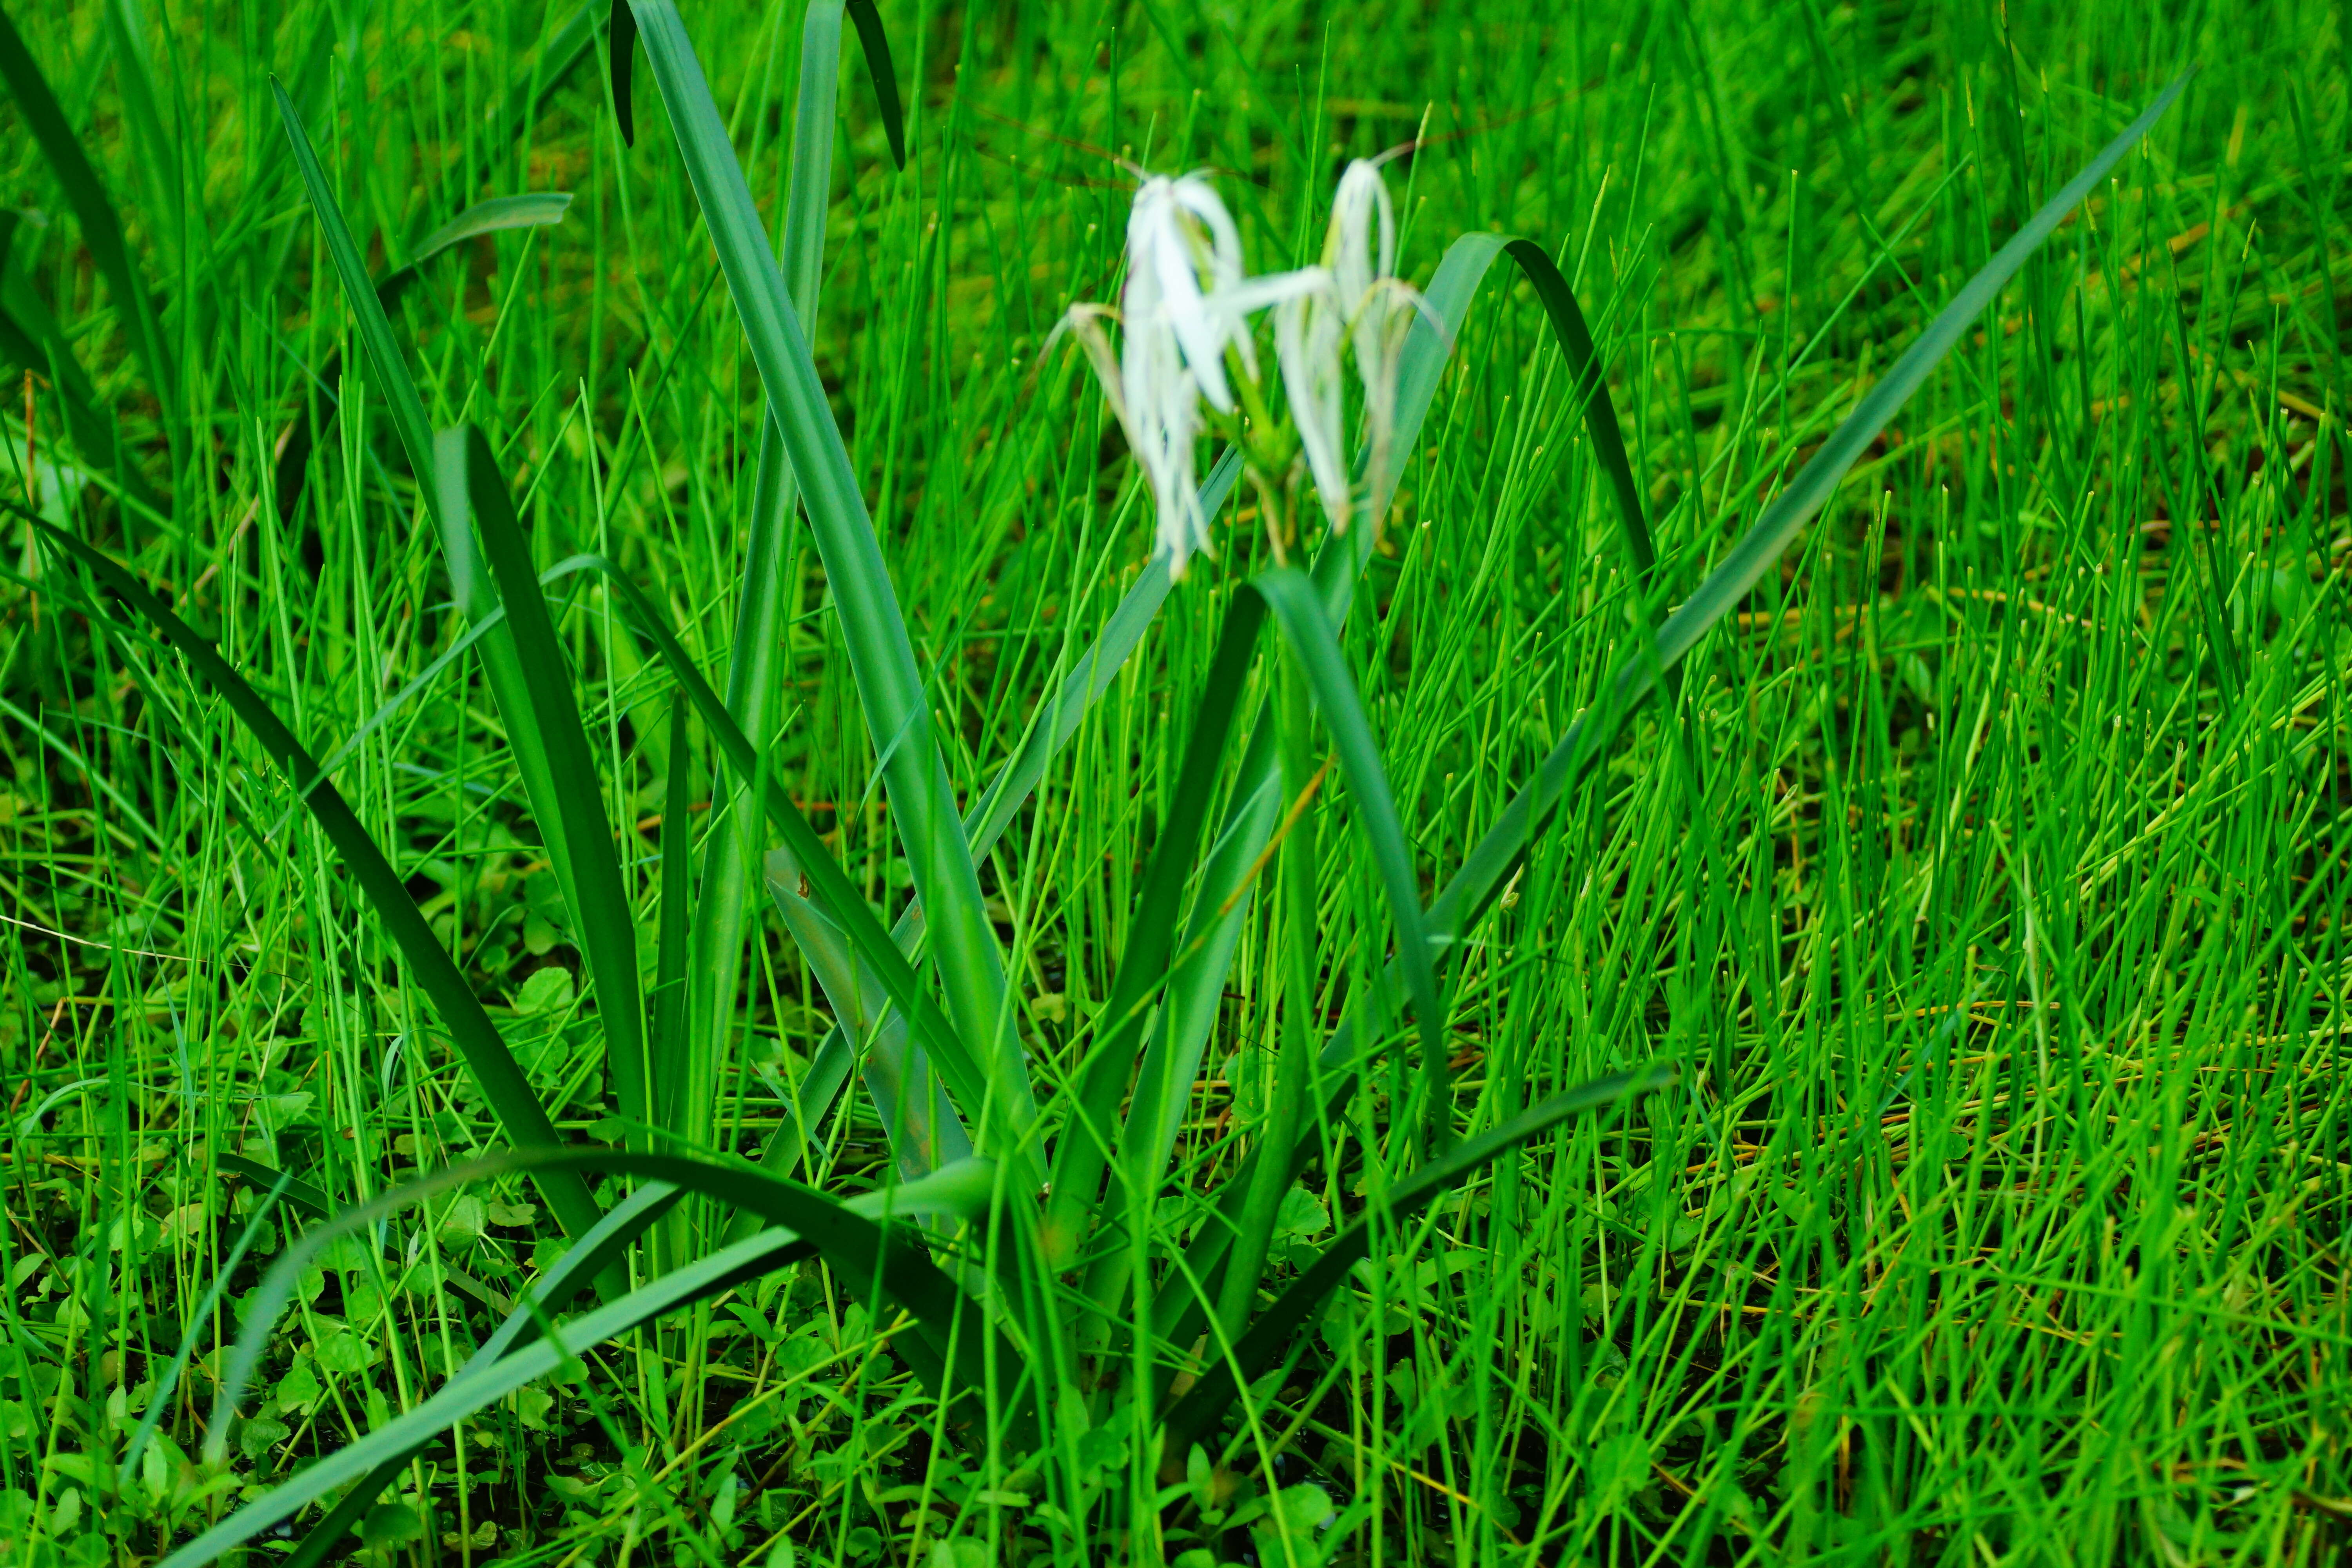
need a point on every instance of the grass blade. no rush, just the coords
(891, 689)
(1275, 1328)
(469, 580)
(101, 229)
(31, 339)
(669, 1040)
(502, 1082)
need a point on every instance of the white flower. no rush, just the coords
(1367, 305)
(1187, 301)
(1309, 334)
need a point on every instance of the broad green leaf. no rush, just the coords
(891, 689)
(1091, 1131)
(852, 1236)
(834, 889)
(1293, 600)
(1090, 673)
(725, 911)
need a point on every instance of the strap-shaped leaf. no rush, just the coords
(891, 691)
(724, 913)
(502, 1082)
(1091, 1131)
(582, 1261)
(601, 911)
(1295, 604)
(833, 888)
(852, 1236)
(1056, 722)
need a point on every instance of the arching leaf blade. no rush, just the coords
(502, 1082)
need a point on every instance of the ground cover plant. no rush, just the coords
(645, 920)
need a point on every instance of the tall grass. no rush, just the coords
(1977, 872)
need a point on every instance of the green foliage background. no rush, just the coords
(1984, 875)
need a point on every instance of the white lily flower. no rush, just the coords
(1309, 332)
(1187, 301)
(1364, 304)
(1184, 265)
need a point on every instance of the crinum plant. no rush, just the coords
(1085, 1315)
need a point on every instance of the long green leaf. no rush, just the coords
(833, 888)
(852, 1236)
(1276, 1328)
(600, 911)
(101, 229)
(582, 1261)
(1092, 1129)
(724, 911)
(498, 213)
(849, 1234)
(921, 1126)
(159, 158)
(1295, 604)
(876, 44)
(890, 688)
(1089, 675)
(502, 1082)
(468, 578)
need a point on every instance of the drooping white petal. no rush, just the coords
(1310, 334)
(1165, 408)
(1358, 254)
(1167, 253)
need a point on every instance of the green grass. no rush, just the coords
(1982, 878)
